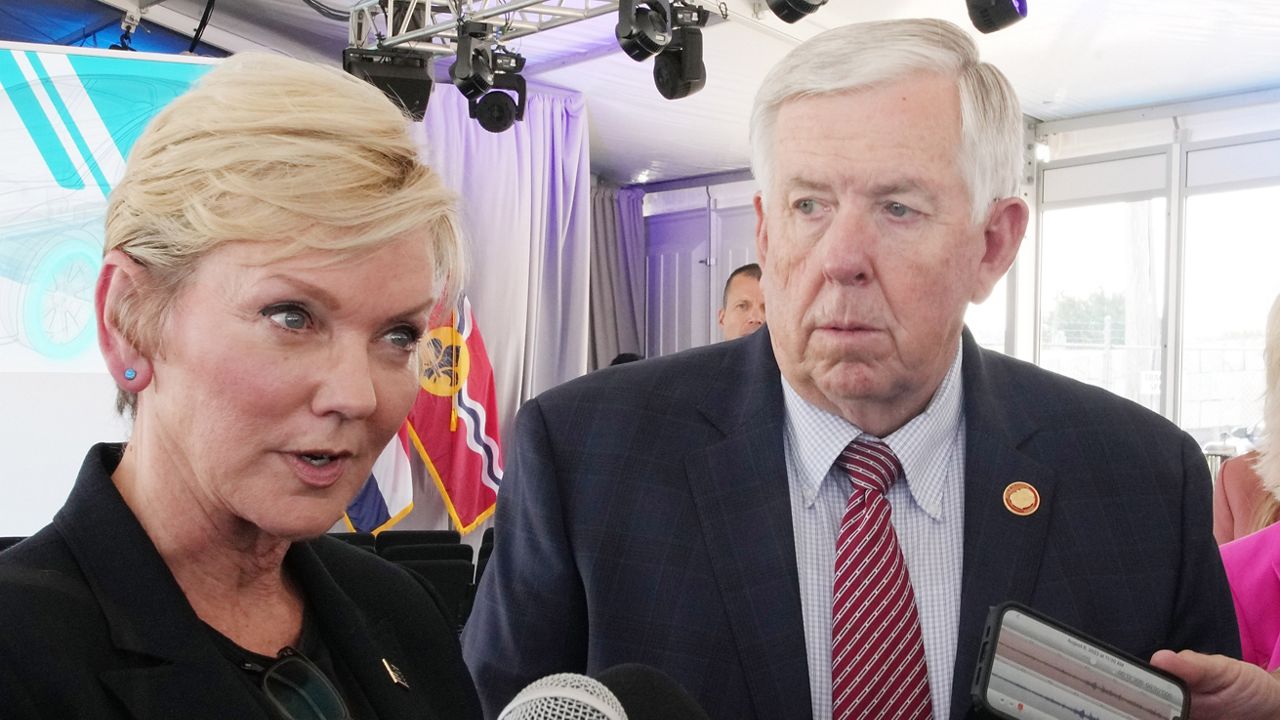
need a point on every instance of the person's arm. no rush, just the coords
(1222, 688)
(1204, 616)
(529, 618)
(1224, 525)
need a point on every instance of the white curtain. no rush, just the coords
(525, 197)
(617, 273)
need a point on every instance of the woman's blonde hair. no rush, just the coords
(1268, 464)
(265, 148)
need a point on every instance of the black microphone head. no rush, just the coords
(647, 693)
(566, 696)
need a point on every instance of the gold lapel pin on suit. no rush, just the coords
(396, 676)
(1021, 498)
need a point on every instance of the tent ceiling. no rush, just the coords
(1068, 58)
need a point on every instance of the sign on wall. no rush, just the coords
(67, 121)
(68, 118)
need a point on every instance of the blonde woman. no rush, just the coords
(1249, 690)
(1268, 464)
(273, 253)
(1246, 497)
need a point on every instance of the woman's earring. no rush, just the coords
(130, 373)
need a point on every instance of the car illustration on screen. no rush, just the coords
(67, 122)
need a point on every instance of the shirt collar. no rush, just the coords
(922, 445)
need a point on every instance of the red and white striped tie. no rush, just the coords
(877, 651)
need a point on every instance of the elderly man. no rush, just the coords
(814, 521)
(742, 307)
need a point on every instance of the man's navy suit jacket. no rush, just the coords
(645, 517)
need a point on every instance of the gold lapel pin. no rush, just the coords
(1021, 498)
(396, 676)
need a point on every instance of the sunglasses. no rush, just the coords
(298, 690)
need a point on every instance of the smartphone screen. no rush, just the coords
(1038, 669)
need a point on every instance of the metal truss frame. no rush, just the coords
(436, 23)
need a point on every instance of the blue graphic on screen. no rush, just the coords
(67, 122)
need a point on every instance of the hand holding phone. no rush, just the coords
(1033, 667)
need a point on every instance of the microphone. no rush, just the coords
(624, 692)
(647, 693)
(567, 696)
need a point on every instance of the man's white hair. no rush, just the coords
(866, 55)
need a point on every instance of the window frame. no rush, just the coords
(1176, 188)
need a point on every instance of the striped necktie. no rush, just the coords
(877, 650)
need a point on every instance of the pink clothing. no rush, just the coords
(1236, 497)
(1253, 570)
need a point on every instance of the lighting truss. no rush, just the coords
(433, 26)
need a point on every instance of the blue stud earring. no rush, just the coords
(130, 373)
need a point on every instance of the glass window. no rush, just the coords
(987, 320)
(1102, 290)
(1232, 277)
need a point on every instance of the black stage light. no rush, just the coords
(793, 10)
(643, 31)
(483, 73)
(992, 15)
(678, 71)
(124, 42)
(507, 61)
(403, 76)
(496, 111)
(685, 15)
(472, 70)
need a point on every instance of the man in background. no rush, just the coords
(813, 521)
(742, 307)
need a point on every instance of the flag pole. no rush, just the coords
(457, 381)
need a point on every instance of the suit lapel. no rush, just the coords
(180, 673)
(739, 488)
(366, 645)
(148, 615)
(1002, 550)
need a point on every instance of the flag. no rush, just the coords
(387, 495)
(454, 422)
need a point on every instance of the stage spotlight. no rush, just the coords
(496, 111)
(686, 15)
(793, 10)
(472, 70)
(643, 31)
(125, 37)
(128, 24)
(678, 71)
(991, 15)
(483, 73)
(403, 76)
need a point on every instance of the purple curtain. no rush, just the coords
(617, 273)
(526, 209)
